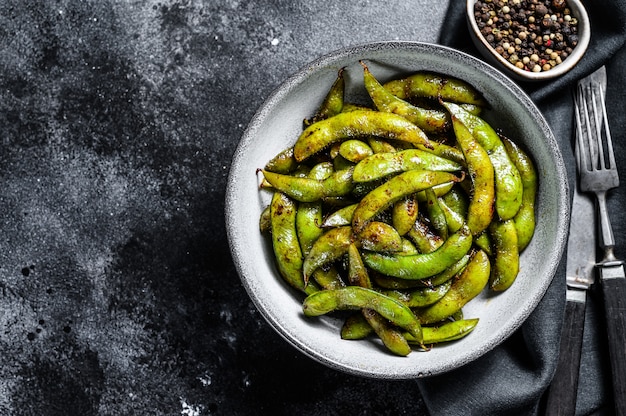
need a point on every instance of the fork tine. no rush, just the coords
(583, 159)
(607, 132)
(598, 120)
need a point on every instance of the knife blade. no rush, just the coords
(579, 275)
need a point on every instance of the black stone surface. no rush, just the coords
(118, 119)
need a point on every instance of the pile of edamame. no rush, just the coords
(401, 210)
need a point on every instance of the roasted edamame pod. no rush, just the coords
(421, 266)
(355, 150)
(333, 101)
(435, 86)
(505, 254)
(354, 124)
(305, 189)
(285, 242)
(525, 218)
(464, 288)
(508, 182)
(482, 199)
(391, 336)
(404, 213)
(379, 165)
(450, 331)
(429, 120)
(419, 297)
(350, 297)
(394, 189)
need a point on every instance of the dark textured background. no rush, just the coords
(117, 123)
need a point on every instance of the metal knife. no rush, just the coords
(580, 275)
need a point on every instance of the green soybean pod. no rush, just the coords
(453, 219)
(391, 337)
(342, 216)
(355, 327)
(481, 172)
(380, 165)
(379, 236)
(404, 213)
(466, 287)
(328, 278)
(283, 162)
(429, 120)
(525, 218)
(399, 186)
(355, 124)
(423, 237)
(333, 102)
(450, 331)
(355, 150)
(357, 273)
(380, 146)
(505, 255)
(419, 297)
(436, 214)
(351, 297)
(436, 87)
(304, 189)
(508, 182)
(285, 242)
(452, 271)
(265, 223)
(421, 266)
(321, 171)
(308, 220)
(329, 247)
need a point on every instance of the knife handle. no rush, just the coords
(614, 291)
(562, 393)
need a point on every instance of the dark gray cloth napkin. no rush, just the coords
(512, 378)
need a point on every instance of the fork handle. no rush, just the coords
(614, 291)
(606, 231)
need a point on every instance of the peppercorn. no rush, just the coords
(533, 35)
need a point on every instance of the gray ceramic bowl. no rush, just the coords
(584, 34)
(276, 126)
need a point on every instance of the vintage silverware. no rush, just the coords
(580, 275)
(598, 175)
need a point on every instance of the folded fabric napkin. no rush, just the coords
(512, 378)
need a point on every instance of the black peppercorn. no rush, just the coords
(533, 35)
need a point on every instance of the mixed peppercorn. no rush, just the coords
(533, 35)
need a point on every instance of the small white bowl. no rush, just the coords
(276, 126)
(494, 58)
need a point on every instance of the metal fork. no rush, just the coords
(598, 174)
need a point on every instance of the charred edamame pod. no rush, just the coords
(482, 200)
(429, 120)
(394, 189)
(379, 165)
(505, 254)
(305, 189)
(358, 123)
(449, 331)
(464, 288)
(435, 86)
(350, 297)
(333, 101)
(525, 218)
(508, 182)
(421, 266)
(285, 242)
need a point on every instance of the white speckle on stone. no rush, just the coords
(189, 410)
(205, 379)
(275, 42)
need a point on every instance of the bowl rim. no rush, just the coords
(584, 34)
(233, 205)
